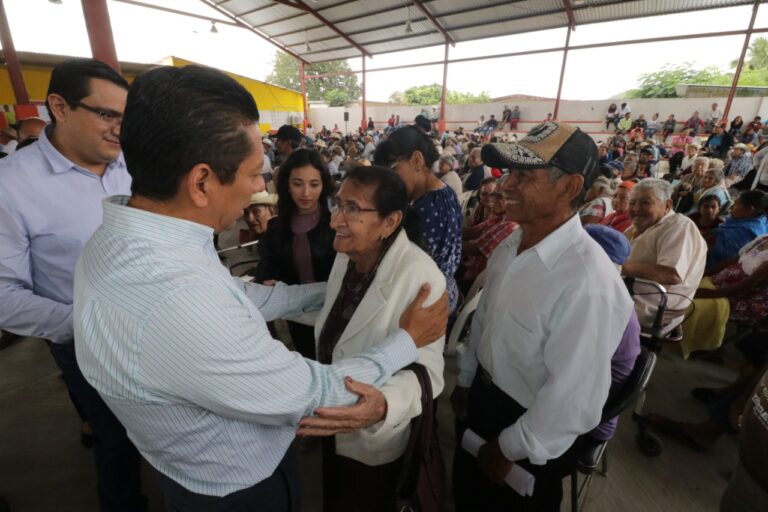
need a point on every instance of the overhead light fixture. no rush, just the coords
(57, 2)
(307, 48)
(408, 28)
(214, 30)
(578, 2)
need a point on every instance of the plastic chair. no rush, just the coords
(461, 326)
(629, 394)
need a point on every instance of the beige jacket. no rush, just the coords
(401, 273)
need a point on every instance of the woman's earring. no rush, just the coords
(382, 238)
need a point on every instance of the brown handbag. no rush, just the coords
(421, 483)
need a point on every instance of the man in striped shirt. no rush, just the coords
(178, 348)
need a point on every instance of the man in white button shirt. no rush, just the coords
(536, 371)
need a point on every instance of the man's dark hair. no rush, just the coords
(402, 143)
(423, 123)
(72, 80)
(389, 196)
(756, 199)
(176, 118)
(285, 206)
(291, 134)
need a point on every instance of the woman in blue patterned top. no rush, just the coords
(410, 153)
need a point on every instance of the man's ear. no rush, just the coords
(573, 185)
(59, 107)
(199, 183)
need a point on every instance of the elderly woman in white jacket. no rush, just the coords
(378, 271)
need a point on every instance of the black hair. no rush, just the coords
(710, 197)
(71, 80)
(606, 171)
(285, 205)
(756, 199)
(402, 143)
(390, 196)
(423, 123)
(176, 118)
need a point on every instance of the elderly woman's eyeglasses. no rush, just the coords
(350, 211)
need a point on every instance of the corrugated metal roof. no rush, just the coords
(344, 28)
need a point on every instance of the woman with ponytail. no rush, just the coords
(379, 270)
(409, 152)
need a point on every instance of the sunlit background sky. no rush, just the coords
(147, 35)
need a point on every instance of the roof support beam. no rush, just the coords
(562, 71)
(737, 73)
(99, 28)
(174, 11)
(552, 50)
(439, 26)
(571, 18)
(248, 26)
(12, 59)
(299, 4)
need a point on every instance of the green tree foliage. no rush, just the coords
(661, 84)
(285, 73)
(336, 98)
(758, 55)
(430, 95)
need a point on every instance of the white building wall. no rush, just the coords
(588, 115)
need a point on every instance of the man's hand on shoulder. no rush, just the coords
(370, 409)
(425, 324)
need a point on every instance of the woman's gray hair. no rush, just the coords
(606, 184)
(719, 174)
(701, 159)
(661, 188)
(716, 163)
(448, 158)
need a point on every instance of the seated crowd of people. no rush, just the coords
(375, 236)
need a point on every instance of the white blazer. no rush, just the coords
(398, 279)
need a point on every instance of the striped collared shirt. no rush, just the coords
(181, 353)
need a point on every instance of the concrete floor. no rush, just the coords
(43, 467)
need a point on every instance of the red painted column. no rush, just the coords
(737, 73)
(562, 73)
(441, 122)
(304, 94)
(364, 122)
(99, 28)
(12, 59)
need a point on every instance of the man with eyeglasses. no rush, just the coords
(50, 205)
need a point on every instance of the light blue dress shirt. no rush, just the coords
(181, 353)
(49, 208)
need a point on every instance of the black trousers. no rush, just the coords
(278, 493)
(118, 463)
(491, 411)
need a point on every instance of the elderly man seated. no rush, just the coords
(739, 165)
(263, 206)
(480, 241)
(666, 248)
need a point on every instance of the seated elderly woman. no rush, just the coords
(747, 221)
(378, 270)
(689, 184)
(666, 248)
(713, 184)
(597, 202)
(707, 218)
(447, 173)
(619, 218)
(738, 292)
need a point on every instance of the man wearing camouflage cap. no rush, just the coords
(536, 370)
